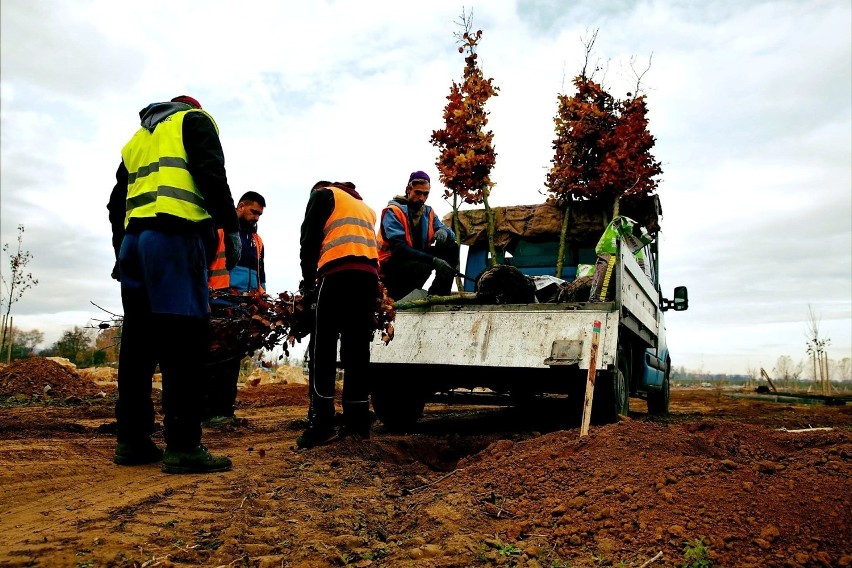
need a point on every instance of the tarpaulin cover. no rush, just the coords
(542, 221)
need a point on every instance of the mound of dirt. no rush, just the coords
(753, 496)
(272, 394)
(45, 378)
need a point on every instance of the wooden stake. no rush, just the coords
(652, 560)
(590, 380)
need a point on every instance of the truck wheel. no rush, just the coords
(612, 392)
(396, 406)
(658, 400)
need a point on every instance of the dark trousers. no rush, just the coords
(177, 343)
(164, 296)
(346, 302)
(220, 388)
(401, 277)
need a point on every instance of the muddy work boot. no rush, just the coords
(316, 436)
(196, 460)
(220, 422)
(137, 453)
(356, 433)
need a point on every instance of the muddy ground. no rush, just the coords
(721, 480)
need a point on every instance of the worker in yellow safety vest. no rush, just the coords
(170, 197)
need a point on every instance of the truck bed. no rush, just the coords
(524, 335)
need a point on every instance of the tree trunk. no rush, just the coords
(561, 253)
(456, 230)
(489, 218)
(435, 301)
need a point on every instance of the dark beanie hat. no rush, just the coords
(419, 175)
(187, 100)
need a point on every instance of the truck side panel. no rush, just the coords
(495, 336)
(639, 299)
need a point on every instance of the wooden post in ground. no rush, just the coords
(590, 380)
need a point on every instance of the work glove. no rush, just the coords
(441, 236)
(233, 249)
(116, 275)
(443, 267)
(309, 295)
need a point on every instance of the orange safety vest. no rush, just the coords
(349, 230)
(219, 277)
(384, 246)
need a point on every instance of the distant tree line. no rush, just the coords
(786, 373)
(84, 347)
(91, 347)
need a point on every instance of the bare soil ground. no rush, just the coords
(469, 486)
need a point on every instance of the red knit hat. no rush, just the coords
(188, 100)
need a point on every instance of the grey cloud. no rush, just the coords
(46, 60)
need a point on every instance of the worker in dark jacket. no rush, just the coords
(339, 269)
(248, 276)
(170, 196)
(413, 242)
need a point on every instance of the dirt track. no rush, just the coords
(470, 486)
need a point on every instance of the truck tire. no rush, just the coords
(396, 403)
(658, 400)
(612, 392)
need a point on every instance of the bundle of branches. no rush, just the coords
(384, 315)
(243, 323)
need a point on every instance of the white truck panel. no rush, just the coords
(491, 336)
(638, 295)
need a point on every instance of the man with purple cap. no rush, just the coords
(413, 242)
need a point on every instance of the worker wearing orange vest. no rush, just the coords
(339, 260)
(248, 275)
(413, 242)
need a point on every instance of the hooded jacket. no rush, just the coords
(400, 240)
(205, 162)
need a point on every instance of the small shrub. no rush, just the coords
(695, 554)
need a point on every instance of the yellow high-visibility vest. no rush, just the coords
(158, 177)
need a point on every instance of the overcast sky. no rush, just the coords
(750, 103)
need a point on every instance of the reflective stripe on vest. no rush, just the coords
(349, 231)
(158, 178)
(220, 278)
(402, 217)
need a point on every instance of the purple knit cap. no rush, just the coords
(419, 175)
